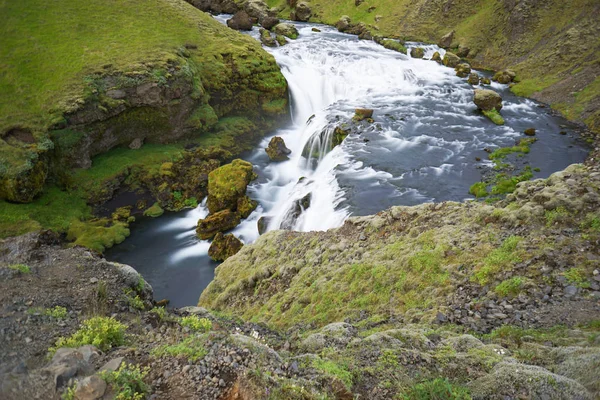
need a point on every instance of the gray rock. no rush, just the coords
(90, 388)
(446, 40)
(136, 144)
(112, 365)
(571, 291)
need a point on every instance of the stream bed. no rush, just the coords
(422, 147)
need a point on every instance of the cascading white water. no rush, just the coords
(428, 143)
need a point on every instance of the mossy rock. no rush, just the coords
(451, 60)
(227, 184)
(487, 100)
(24, 186)
(221, 221)
(286, 29)
(393, 45)
(417, 52)
(154, 211)
(277, 150)
(224, 246)
(463, 70)
(436, 57)
(245, 206)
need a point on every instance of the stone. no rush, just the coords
(227, 184)
(112, 365)
(362, 113)
(219, 222)
(487, 100)
(262, 224)
(136, 144)
(446, 40)
(436, 57)
(451, 60)
(473, 78)
(90, 388)
(463, 51)
(277, 150)
(417, 52)
(269, 22)
(266, 38)
(529, 132)
(316, 30)
(286, 29)
(343, 23)
(66, 364)
(463, 70)
(245, 206)
(571, 291)
(224, 246)
(504, 77)
(302, 12)
(240, 21)
(281, 40)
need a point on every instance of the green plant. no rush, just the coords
(479, 189)
(128, 381)
(556, 215)
(57, 312)
(510, 287)
(576, 276)
(134, 300)
(196, 324)
(69, 393)
(191, 348)
(160, 312)
(388, 359)
(437, 389)
(22, 268)
(497, 260)
(334, 369)
(102, 332)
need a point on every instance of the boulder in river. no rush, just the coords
(463, 70)
(451, 60)
(269, 22)
(224, 246)
(262, 224)
(281, 40)
(240, 21)
(487, 100)
(339, 134)
(417, 52)
(245, 206)
(529, 132)
(227, 184)
(277, 150)
(286, 29)
(436, 57)
(362, 113)
(294, 213)
(302, 12)
(484, 81)
(266, 38)
(343, 23)
(473, 78)
(446, 40)
(219, 222)
(504, 77)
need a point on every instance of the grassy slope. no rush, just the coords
(554, 46)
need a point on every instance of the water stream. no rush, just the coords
(422, 148)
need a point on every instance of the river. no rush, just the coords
(422, 147)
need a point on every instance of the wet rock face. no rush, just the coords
(473, 78)
(221, 221)
(240, 21)
(224, 246)
(487, 100)
(417, 52)
(277, 150)
(266, 38)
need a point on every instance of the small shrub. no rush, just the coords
(437, 389)
(196, 324)
(128, 382)
(191, 348)
(134, 301)
(102, 332)
(22, 268)
(160, 312)
(57, 312)
(69, 393)
(510, 287)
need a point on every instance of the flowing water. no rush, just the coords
(422, 148)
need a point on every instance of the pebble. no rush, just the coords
(93, 280)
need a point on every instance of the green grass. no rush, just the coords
(505, 184)
(437, 389)
(22, 268)
(510, 287)
(494, 116)
(479, 189)
(554, 216)
(576, 276)
(196, 324)
(497, 260)
(191, 348)
(128, 382)
(523, 147)
(333, 369)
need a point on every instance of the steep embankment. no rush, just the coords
(554, 46)
(79, 79)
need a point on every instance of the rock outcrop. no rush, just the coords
(277, 150)
(417, 52)
(286, 29)
(224, 246)
(240, 21)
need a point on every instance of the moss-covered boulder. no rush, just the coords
(451, 60)
(266, 38)
(286, 29)
(245, 206)
(224, 246)
(513, 379)
(436, 57)
(277, 150)
(302, 12)
(487, 100)
(392, 45)
(219, 222)
(362, 113)
(22, 186)
(227, 184)
(154, 211)
(463, 70)
(473, 79)
(417, 52)
(506, 76)
(446, 40)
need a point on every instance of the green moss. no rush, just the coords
(501, 258)
(559, 214)
(479, 189)
(523, 147)
(494, 116)
(97, 235)
(196, 324)
(576, 276)
(333, 369)
(227, 184)
(437, 389)
(393, 45)
(505, 184)
(22, 268)
(154, 211)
